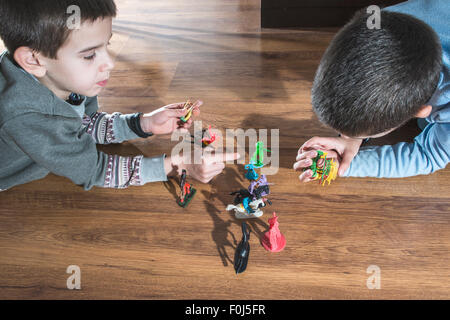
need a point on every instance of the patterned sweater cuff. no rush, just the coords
(122, 131)
(123, 172)
(109, 128)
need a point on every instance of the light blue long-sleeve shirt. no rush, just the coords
(430, 150)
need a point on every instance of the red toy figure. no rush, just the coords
(207, 141)
(187, 191)
(273, 240)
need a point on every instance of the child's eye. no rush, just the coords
(91, 57)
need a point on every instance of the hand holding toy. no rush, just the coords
(165, 120)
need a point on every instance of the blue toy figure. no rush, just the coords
(251, 173)
(246, 204)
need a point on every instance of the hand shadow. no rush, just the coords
(171, 186)
(228, 181)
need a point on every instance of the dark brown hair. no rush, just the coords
(373, 80)
(42, 25)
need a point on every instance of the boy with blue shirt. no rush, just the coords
(49, 120)
(371, 81)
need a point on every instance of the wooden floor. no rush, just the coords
(137, 243)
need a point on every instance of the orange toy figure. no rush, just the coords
(273, 240)
(187, 191)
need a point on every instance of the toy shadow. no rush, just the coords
(221, 230)
(230, 180)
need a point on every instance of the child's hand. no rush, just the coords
(165, 120)
(343, 149)
(211, 166)
(305, 158)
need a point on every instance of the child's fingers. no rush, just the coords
(175, 112)
(175, 106)
(307, 154)
(306, 176)
(196, 111)
(328, 143)
(197, 104)
(186, 125)
(302, 164)
(196, 108)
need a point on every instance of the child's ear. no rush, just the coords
(424, 111)
(29, 61)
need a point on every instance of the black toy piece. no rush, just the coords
(187, 191)
(240, 195)
(242, 251)
(258, 193)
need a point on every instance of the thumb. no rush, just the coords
(197, 104)
(345, 163)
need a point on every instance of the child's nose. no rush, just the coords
(108, 65)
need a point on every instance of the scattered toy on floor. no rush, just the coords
(242, 251)
(247, 209)
(187, 191)
(258, 156)
(248, 202)
(251, 173)
(207, 141)
(273, 240)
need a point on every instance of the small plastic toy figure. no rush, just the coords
(258, 156)
(247, 209)
(251, 173)
(207, 141)
(190, 107)
(256, 190)
(242, 251)
(240, 195)
(324, 170)
(273, 240)
(187, 191)
(259, 188)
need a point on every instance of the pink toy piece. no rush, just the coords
(273, 240)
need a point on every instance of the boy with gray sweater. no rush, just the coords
(50, 77)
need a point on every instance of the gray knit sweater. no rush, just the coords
(40, 133)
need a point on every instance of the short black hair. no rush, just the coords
(42, 25)
(373, 80)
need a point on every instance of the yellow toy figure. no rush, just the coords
(189, 106)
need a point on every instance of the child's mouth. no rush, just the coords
(102, 83)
